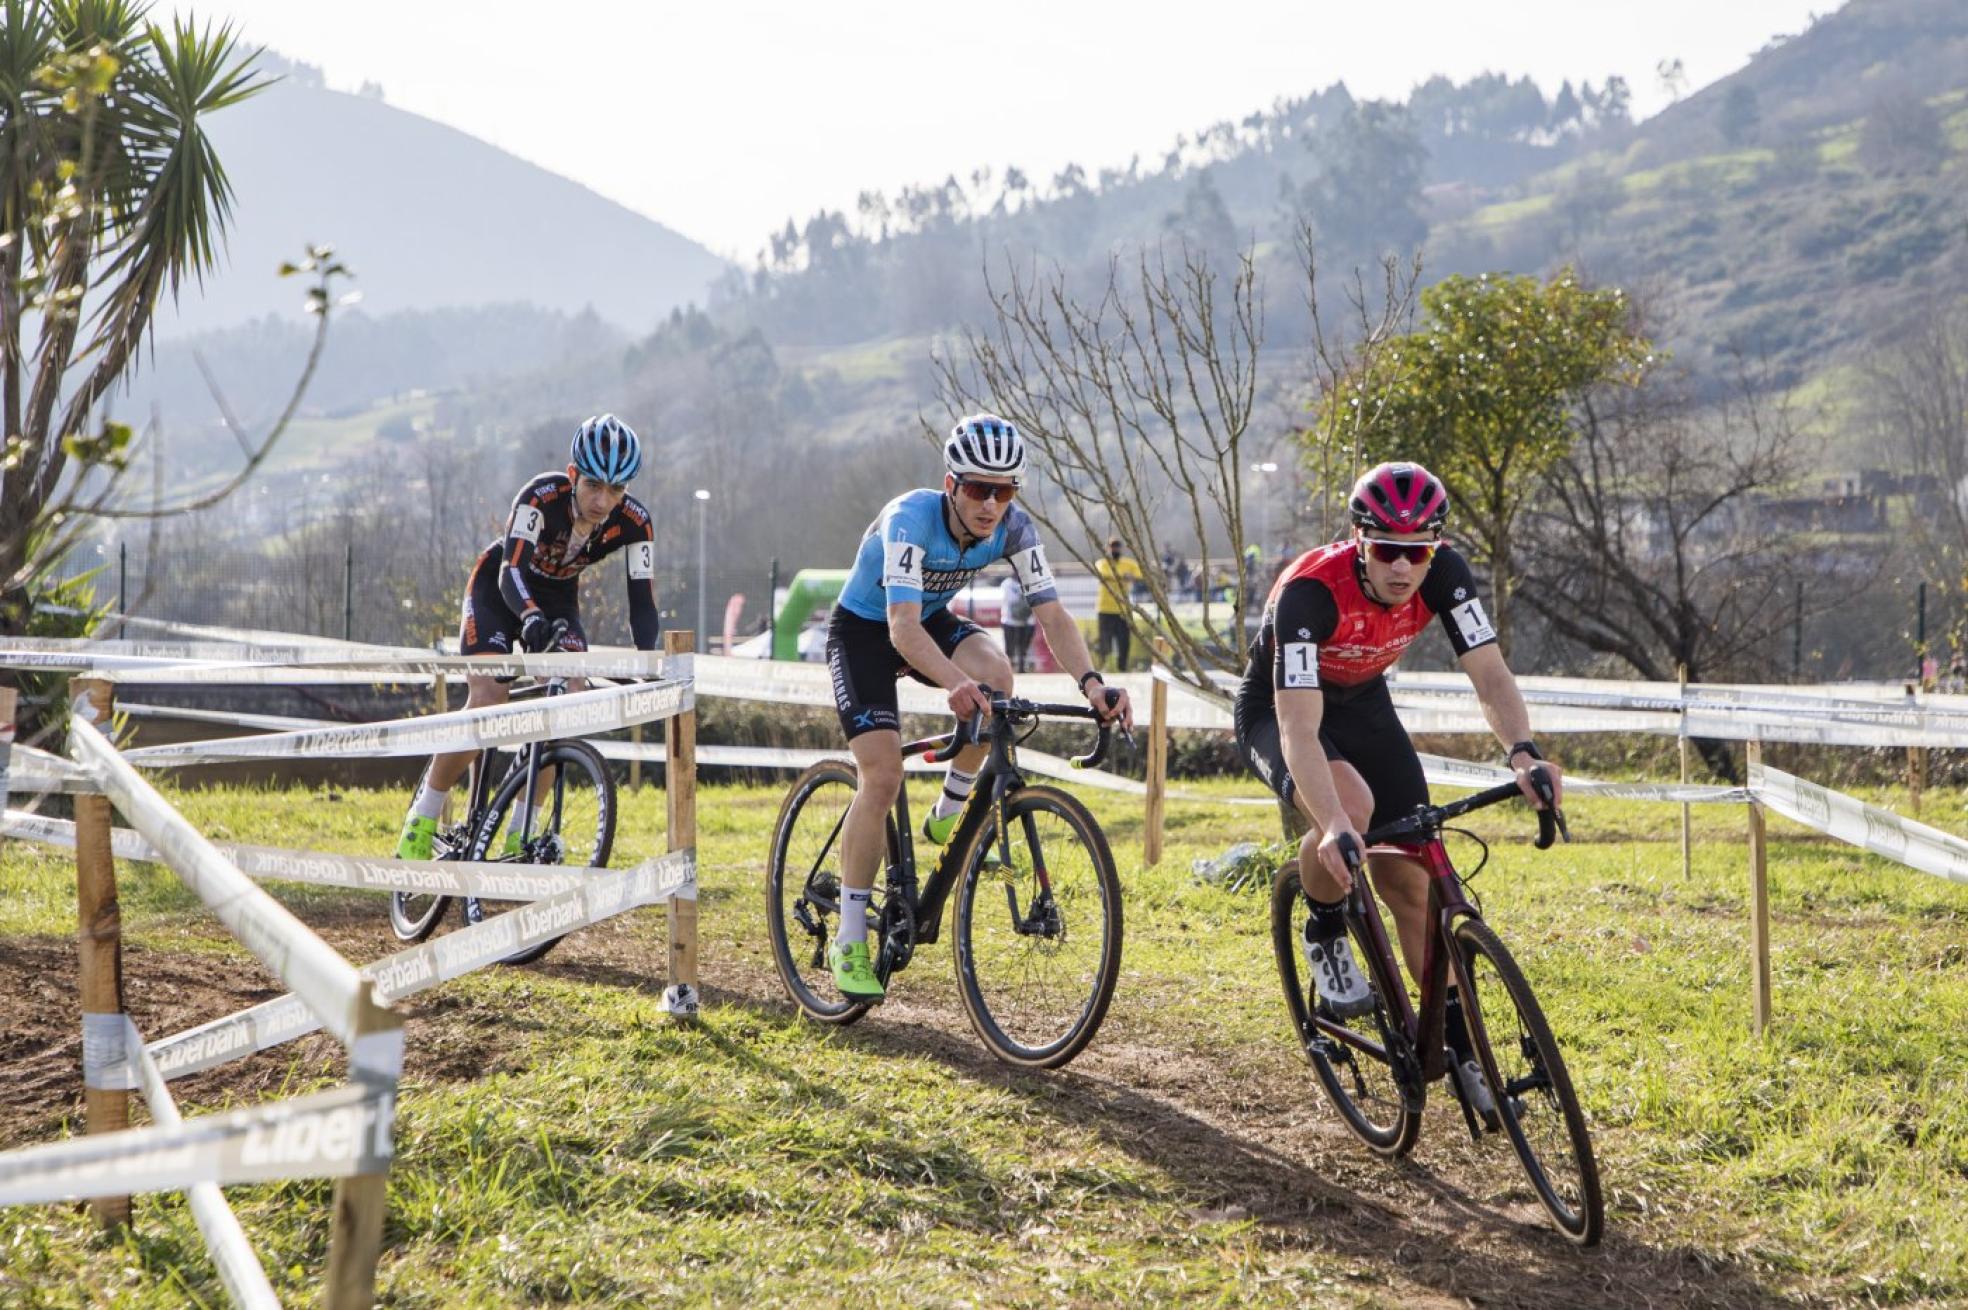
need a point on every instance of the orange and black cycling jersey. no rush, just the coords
(539, 551)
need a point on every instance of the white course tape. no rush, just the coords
(36, 772)
(1851, 820)
(575, 715)
(496, 880)
(206, 632)
(421, 967)
(404, 664)
(263, 926)
(109, 1052)
(239, 1269)
(331, 1134)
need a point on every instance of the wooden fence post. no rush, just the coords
(99, 939)
(355, 1226)
(1759, 907)
(7, 704)
(1158, 743)
(1687, 818)
(635, 761)
(680, 786)
(1916, 776)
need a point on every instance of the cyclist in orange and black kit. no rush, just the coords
(560, 524)
(1316, 721)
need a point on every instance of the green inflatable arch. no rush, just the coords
(810, 590)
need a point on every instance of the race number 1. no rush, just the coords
(1301, 662)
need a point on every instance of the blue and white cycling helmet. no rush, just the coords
(986, 445)
(607, 450)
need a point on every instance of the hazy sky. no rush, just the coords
(722, 119)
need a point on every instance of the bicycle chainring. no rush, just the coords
(898, 930)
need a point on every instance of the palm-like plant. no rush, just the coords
(111, 195)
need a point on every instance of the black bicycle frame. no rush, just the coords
(1420, 835)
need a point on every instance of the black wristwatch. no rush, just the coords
(1095, 675)
(1525, 747)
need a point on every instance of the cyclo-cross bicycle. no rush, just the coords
(1376, 1068)
(1038, 903)
(571, 822)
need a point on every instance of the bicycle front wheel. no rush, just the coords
(572, 823)
(1038, 935)
(1527, 1076)
(414, 915)
(802, 890)
(1361, 1084)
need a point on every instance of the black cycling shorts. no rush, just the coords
(489, 627)
(1361, 729)
(865, 664)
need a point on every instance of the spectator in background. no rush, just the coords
(1118, 573)
(1016, 618)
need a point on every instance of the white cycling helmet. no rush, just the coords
(985, 445)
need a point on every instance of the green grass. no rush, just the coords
(608, 1157)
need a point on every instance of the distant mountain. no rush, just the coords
(429, 217)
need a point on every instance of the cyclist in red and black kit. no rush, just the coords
(529, 577)
(1316, 721)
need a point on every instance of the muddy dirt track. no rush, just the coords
(1449, 1227)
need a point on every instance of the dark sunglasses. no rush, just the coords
(1002, 492)
(1414, 552)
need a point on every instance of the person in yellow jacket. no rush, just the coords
(1118, 573)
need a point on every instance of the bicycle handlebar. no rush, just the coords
(1427, 819)
(971, 730)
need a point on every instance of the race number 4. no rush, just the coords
(1301, 661)
(526, 523)
(1472, 623)
(903, 566)
(642, 559)
(1031, 567)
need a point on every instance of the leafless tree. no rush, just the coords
(1140, 405)
(1919, 395)
(1653, 543)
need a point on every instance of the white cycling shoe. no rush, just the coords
(1335, 976)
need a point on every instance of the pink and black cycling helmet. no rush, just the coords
(1399, 498)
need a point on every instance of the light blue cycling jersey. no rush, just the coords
(909, 554)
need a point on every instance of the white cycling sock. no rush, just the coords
(854, 915)
(956, 790)
(429, 803)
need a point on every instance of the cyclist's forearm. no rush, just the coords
(512, 587)
(1298, 732)
(1496, 691)
(1064, 638)
(914, 644)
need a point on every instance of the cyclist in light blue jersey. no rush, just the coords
(893, 618)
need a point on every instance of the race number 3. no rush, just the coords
(1301, 664)
(526, 523)
(904, 564)
(642, 559)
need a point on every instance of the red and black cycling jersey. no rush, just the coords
(541, 559)
(1321, 630)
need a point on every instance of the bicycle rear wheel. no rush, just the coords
(802, 890)
(1038, 940)
(1534, 1095)
(573, 824)
(1363, 1087)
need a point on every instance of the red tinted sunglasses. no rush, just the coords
(1414, 552)
(1002, 492)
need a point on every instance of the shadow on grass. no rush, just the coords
(1452, 1240)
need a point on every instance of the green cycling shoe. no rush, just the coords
(937, 830)
(417, 839)
(854, 974)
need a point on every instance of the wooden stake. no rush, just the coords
(1759, 908)
(1151, 838)
(1687, 817)
(1916, 775)
(355, 1227)
(680, 784)
(99, 937)
(635, 762)
(441, 687)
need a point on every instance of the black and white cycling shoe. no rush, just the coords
(1336, 977)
